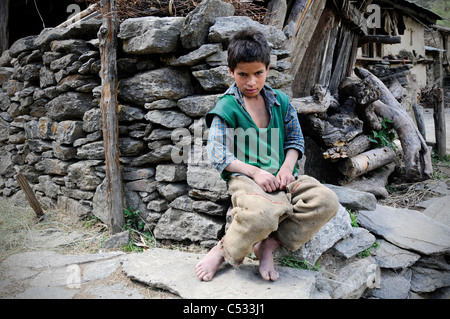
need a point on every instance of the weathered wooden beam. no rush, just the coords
(439, 122)
(420, 121)
(385, 39)
(29, 194)
(352, 13)
(110, 109)
(4, 29)
(319, 102)
(356, 146)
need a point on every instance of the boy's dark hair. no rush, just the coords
(248, 46)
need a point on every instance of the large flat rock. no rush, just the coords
(408, 229)
(439, 210)
(174, 271)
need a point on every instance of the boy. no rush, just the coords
(254, 141)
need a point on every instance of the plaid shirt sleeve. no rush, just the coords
(220, 143)
(293, 132)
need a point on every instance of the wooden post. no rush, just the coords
(110, 108)
(439, 122)
(4, 28)
(30, 195)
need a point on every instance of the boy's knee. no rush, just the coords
(309, 190)
(329, 200)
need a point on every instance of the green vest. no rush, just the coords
(263, 148)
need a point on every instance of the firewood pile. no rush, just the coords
(180, 8)
(364, 132)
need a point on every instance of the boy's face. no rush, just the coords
(250, 77)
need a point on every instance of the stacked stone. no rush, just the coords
(171, 70)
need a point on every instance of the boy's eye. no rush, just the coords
(242, 74)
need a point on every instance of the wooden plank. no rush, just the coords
(439, 122)
(4, 29)
(110, 109)
(312, 65)
(299, 44)
(342, 57)
(385, 39)
(29, 194)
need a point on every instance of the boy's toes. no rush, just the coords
(274, 275)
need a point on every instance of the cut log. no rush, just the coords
(356, 146)
(417, 156)
(364, 95)
(366, 162)
(334, 130)
(318, 102)
(375, 182)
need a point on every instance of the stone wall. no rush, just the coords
(171, 71)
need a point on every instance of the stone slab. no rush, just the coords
(408, 229)
(174, 271)
(439, 210)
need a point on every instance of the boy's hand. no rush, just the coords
(267, 181)
(284, 177)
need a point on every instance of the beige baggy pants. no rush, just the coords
(292, 216)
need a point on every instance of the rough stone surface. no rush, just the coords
(225, 27)
(438, 210)
(174, 272)
(337, 228)
(69, 106)
(407, 229)
(391, 256)
(198, 105)
(146, 87)
(181, 225)
(195, 29)
(168, 118)
(353, 199)
(359, 240)
(149, 35)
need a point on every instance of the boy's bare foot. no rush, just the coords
(264, 252)
(207, 267)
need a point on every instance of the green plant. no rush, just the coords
(385, 136)
(353, 218)
(91, 221)
(435, 158)
(368, 251)
(140, 239)
(133, 220)
(290, 261)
